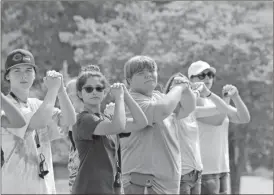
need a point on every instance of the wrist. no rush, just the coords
(53, 89)
(61, 90)
(235, 95)
(119, 97)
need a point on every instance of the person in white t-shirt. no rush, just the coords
(28, 167)
(214, 129)
(192, 167)
(11, 117)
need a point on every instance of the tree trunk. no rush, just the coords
(237, 158)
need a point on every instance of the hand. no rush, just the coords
(124, 88)
(201, 87)
(58, 74)
(53, 80)
(109, 110)
(230, 91)
(183, 81)
(117, 90)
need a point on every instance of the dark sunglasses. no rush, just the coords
(203, 75)
(90, 89)
(43, 167)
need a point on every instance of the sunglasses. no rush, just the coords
(203, 75)
(90, 89)
(43, 167)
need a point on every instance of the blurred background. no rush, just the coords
(234, 37)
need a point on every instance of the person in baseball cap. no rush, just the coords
(29, 165)
(213, 123)
(21, 63)
(19, 57)
(201, 71)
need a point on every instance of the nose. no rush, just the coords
(23, 75)
(207, 78)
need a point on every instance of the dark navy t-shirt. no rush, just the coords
(97, 168)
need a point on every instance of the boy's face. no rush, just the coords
(144, 81)
(21, 76)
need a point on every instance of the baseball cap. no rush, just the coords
(19, 57)
(199, 66)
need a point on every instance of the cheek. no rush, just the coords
(14, 77)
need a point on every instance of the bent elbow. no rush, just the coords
(121, 127)
(247, 119)
(19, 124)
(189, 109)
(142, 124)
(72, 120)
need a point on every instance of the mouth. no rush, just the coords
(94, 98)
(23, 82)
(149, 81)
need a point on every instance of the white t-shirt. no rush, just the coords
(214, 146)
(153, 150)
(21, 168)
(190, 144)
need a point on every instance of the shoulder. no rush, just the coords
(158, 94)
(35, 102)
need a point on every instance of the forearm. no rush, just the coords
(171, 100)
(119, 116)
(44, 113)
(67, 109)
(221, 105)
(12, 113)
(188, 100)
(139, 118)
(242, 111)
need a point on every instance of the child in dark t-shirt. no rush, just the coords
(95, 134)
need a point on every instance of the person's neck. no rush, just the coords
(145, 93)
(92, 108)
(21, 94)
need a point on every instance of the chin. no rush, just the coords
(209, 86)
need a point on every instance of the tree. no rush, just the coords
(233, 37)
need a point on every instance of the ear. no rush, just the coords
(7, 77)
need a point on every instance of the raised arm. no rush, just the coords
(13, 118)
(67, 109)
(166, 106)
(240, 114)
(118, 123)
(207, 111)
(187, 103)
(42, 117)
(139, 119)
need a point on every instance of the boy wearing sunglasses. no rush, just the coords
(213, 129)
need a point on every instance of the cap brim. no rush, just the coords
(201, 70)
(21, 65)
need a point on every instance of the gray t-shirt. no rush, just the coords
(97, 155)
(153, 150)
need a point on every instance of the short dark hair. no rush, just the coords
(85, 75)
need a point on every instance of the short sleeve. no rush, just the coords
(20, 132)
(54, 127)
(85, 126)
(147, 104)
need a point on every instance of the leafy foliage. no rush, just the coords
(234, 37)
